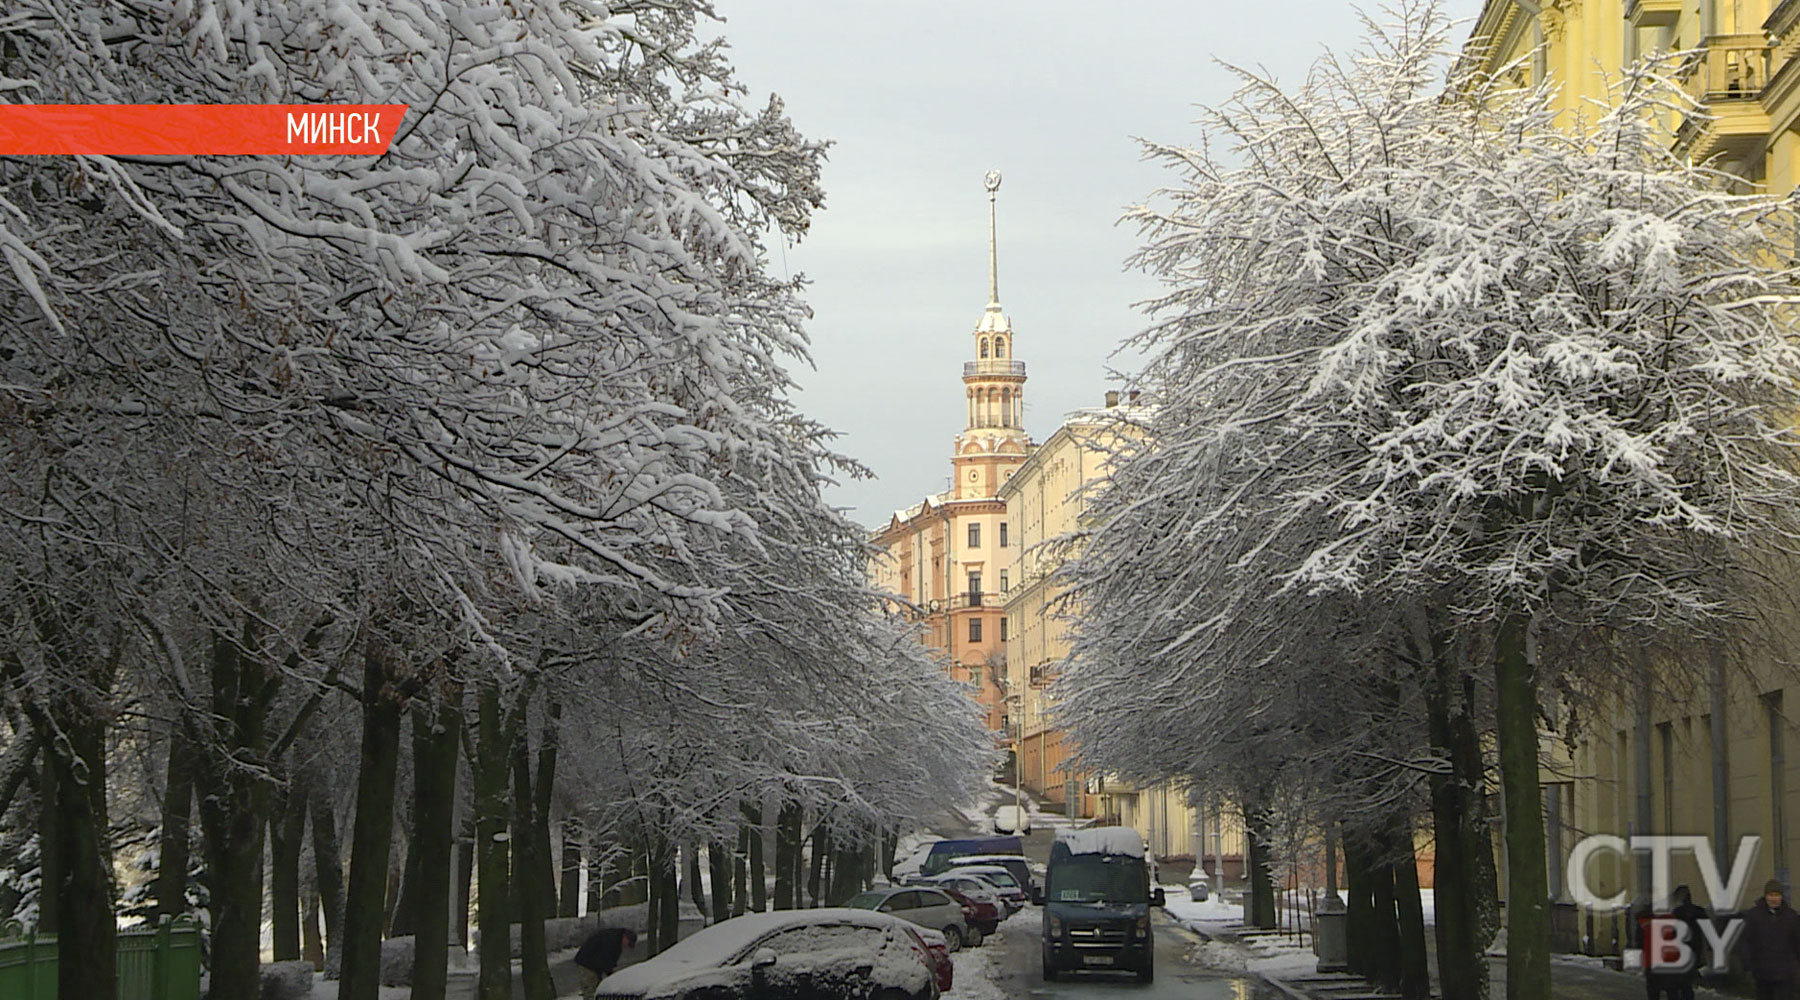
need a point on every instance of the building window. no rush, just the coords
(975, 675)
(975, 634)
(984, 347)
(975, 536)
(975, 589)
(1003, 527)
(1003, 630)
(1003, 581)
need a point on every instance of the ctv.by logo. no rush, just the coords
(1671, 949)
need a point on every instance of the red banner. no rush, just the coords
(197, 129)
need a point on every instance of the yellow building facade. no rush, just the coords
(1708, 757)
(1045, 499)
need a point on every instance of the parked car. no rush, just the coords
(939, 947)
(982, 916)
(1015, 864)
(938, 856)
(1007, 887)
(834, 953)
(907, 868)
(1012, 819)
(973, 886)
(922, 905)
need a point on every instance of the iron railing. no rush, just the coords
(993, 367)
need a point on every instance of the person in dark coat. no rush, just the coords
(1693, 915)
(1771, 944)
(599, 955)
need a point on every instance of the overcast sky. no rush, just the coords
(920, 99)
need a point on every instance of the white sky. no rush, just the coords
(920, 100)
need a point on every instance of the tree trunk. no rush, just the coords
(234, 810)
(312, 946)
(691, 854)
(436, 740)
(177, 808)
(787, 848)
(568, 898)
(84, 892)
(1384, 927)
(493, 889)
(1462, 895)
(718, 865)
(821, 846)
(1262, 885)
(1415, 970)
(670, 916)
(372, 836)
(287, 827)
(1527, 902)
(328, 866)
(1359, 910)
(543, 793)
(528, 880)
(759, 886)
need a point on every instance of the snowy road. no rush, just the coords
(1006, 968)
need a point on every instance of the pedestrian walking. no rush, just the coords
(1771, 945)
(599, 955)
(1700, 956)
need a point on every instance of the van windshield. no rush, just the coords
(1098, 878)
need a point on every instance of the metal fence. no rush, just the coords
(160, 962)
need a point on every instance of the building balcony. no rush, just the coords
(993, 366)
(1726, 77)
(1652, 13)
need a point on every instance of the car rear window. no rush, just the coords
(821, 937)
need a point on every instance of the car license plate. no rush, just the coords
(1097, 959)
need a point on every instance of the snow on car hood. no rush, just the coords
(717, 945)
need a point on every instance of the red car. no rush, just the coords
(983, 918)
(938, 948)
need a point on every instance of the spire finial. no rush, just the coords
(992, 180)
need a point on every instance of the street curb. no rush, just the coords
(1279, 985)
(1284, 986)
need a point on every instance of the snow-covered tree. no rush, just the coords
(1449, 354)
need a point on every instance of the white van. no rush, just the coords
(1012, 819)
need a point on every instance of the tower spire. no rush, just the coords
(992, 180)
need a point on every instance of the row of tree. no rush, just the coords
(470, 465)
(1456, 401)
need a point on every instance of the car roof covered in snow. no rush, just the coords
(985, 859)
(716, 945)
(1101, 840)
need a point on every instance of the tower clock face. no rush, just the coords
(971, 475)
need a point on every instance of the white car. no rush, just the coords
(786, 953)
(1005, 886)
(972, 886)
(1012, 819)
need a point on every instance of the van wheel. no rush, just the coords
(1050, 972)
(1146, 973)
